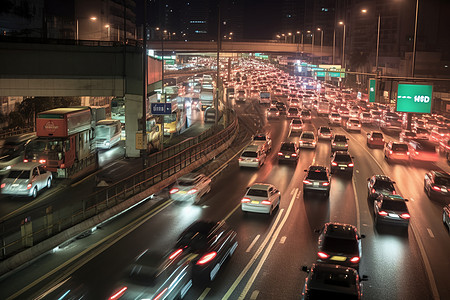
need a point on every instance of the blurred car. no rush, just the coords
(253, 156)
(380, 185)
(288, 152)
(305, 115)
(422, 150)
(317, 178)
(273, 113)
(334, 119)
(437, 184)
(341, 161)
(296, 125)
(261, 198)
(330, 281)
(396, 151)
(190, 187)
(26, 179)
(439, 133)
(293, 112)
(340, 244)
(407, 135)
(353, 124)
(421, 133)
(281, 108)
(324, 133)
(12, 151)
(294, 102)
(307, 140)
(339, 143)
(391, 209)
(446, 216)
(365, 118)
(263, 140)
(375, 139)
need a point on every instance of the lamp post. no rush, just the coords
(321, 43)
(334, 42)
(284, 37)
(107, 26)
(289, 33)
(413, 64)
(343, 46)
(93, 19)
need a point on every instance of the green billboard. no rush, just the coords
(372, 89)
(320, 74)
(414, 98)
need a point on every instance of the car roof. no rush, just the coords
(345, 275)
(393, 198)
(260, 186)
(341, 153)
(252, 148)
(382, 178)
(340, 230)
(317, 168)
(189, 176)
(25, 165)
(441, 174)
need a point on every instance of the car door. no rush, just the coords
(427, 182)
(271, 197)
(36, 180)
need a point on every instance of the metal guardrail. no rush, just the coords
(27, 229)
(6, 133)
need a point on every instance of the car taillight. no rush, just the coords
(175, 254)
(322, 255)
(405, 216)
(280, 153)
(383, 213)
(325, 183)
(25, 160)
(29, 186)
(3, 185)
(245, 200)
(350, 164)
(390, 151)
(257, 159)
(333, 163)
(294, 154)
(265, 202)
(355, 259)
(306, 182)
(240, 159)
(346, 145)
(436, 188)
(371, 139)
(159, 296)
(42, 161)
(119, 293)
(334, 144)
(192, 191)
(417, 153)
(394, 193)
(407, 152)
(174, 190)
(206, 258)
(373, 191)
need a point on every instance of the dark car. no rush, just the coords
(339, 142)
(437, 184)
(329, 281)
(392, 210)
(324, 132)
(281, 107)
(339, 244)
(422, 150)
(446, 216)
(341, 161)
(288, 152)
(378, 185)
(317, 179)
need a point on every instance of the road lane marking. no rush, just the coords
(412, 199)
(232, 212)
(430, 233)
(254, 295)
(203, 295)
(267, 252)
(283, 239)
(358, 217)
(253, 243)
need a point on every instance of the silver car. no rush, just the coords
(26, 179)
(190, 187)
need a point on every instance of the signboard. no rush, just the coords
(414, 98)
(161, 108)
(320, 74)
(336, 74)
(372, 90)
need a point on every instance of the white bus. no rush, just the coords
(107, 133)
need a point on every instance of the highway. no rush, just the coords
(267, 263)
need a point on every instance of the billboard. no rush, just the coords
(372, 89)
(415, 98)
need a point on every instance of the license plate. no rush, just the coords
(395, 216)
(14, 185)
(182, 192)
(342, 168)
(287, 156)
(315, 184)
(339, 258)
(255, 202)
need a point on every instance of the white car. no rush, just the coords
(261, 198)
(307, 140)
(264, 140)
(26, 179)
(190, 187)
(252, 157)
(296, 125)
(353, 124)
(334, 119)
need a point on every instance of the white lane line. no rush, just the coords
(358, 217)
(266, 253)
(203, 295)
(430, 233)
(412, 199)
(253, 243)
(254, 295)
(283, 239)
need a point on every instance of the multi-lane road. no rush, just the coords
(267, 263)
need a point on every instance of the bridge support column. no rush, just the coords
(133, 113)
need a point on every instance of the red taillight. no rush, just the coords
(350, 164)
(405, 216)
(325, 183)
(207, 258)
(334, 144)
(174, 190)
(373, 191)
(245, 200)
(294, 154)
(346, 145)
(383, 213)
(306, 182)
(280, 153)
(390, 151)
(25, 160)
(322, 255)
(192, 191)
(240, 159)
(394, 193)
(407, 153)
(118, 294)
(436, 188)
(3, 185)
(265, 202)
(333, 163)
(160, 294)
(371, 139)
(355, 259)
(175, 254)
(417, 153)
(42, 161)
(29, 186)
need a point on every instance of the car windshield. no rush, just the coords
(409, 133)
(377, 135)
(325, 130)
(421, 131)
(257, 192)
(340, 138)
(333, 244)
(297, 122)
(427, 147)
(259, 138)
(306, 113)
(335, 115)
(293, 110)
(185, 182)
(383, 185)
(343, 157)
(442, 181)
(19, 174)
(273, 109)
(317, 175)
(395, 205)
(287, 147)
(400, 147)
(249, 154)
(307, 135)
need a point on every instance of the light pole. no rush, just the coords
(107, 26)
(343, 46)
(284, 37)
(415, 39)
(289, 33)
(321, 43)
(334, 42)
(93, 19)
(364, 11)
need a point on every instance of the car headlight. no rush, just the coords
(6, 168)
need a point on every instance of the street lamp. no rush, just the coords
(284, 37)
(109, 30)
(93, 19)
(343, 45)
(289, 33)
(321, 43)
(364, 11)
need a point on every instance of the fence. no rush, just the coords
(15, 131)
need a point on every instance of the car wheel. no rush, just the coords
(49, 183)
(279, 201)
(34, 193)
(443, 219)
(271, 211)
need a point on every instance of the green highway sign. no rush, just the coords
(414, 98)
(372, 90)
(320, 74)
(334, 74)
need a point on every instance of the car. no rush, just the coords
(392, 210)
(421, 133)
(293, 112)
(380, 185)
(339, 244)
(253, 156)
(12, 151)
(26, 179)
(264, 140)
(317, 178)
(281, 108)
(365, 118)
(437, 184)
(375, 139)
(339, 143)
(261, 198)
(396, 151)
(341, 161)
(190, 187)
(324, 133)
(296, 125)
(307, 140)
(421, 150)
(439, 133)
(330, 281)
(288, 152)
(334, 119)
(446, 216)
(273, 113)
(305, 115)
(294, 102)
(353, 124)
(407, 135)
